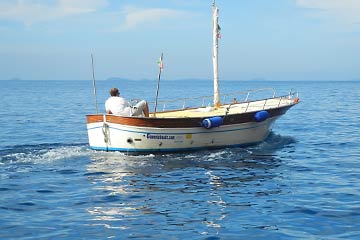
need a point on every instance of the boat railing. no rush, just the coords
(249, 97)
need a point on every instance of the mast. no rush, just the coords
(94, 84)
(215, 55)
(160, 62)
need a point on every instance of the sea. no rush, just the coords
(302, 182)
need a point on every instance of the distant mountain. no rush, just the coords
(116, 79)
(125, 79)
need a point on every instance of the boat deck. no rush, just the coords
(234, 108)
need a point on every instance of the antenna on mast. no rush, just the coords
(94, 83)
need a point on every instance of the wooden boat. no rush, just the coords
(229, 124)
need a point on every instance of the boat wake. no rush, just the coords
(47, 153)
(42, 153)
(273, 143)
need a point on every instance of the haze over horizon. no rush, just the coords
(275, 40)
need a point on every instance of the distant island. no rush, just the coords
(153, 79)
(182, 79)
(125, 79)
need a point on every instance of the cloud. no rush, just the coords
(29, 12)
(345, 11)
(135, 17)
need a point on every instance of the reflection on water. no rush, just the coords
(199, 189)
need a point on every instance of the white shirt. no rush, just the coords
(118, 106)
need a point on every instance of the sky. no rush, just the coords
(260, 39)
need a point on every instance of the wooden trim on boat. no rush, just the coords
(181, 122)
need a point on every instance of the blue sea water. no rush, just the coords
(301, 183)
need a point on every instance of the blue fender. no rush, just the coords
(261, 116)
(212, 122)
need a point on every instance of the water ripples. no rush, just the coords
(259, 191)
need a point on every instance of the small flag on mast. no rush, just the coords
(160, 62)
(218, 35)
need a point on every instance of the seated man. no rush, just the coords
(120, 106)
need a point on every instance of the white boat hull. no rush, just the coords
(116, 137)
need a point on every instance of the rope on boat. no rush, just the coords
(106, 133)
(227, 110)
